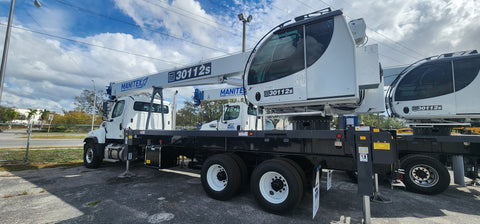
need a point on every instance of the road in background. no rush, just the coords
(17, 140)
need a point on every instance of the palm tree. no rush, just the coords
(31, 113)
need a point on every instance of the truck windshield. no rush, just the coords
(156, 108)
(232, 112)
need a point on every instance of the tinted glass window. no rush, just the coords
(253, 111)
(318, 36)
(465, 72)
(426, 81)
(156, 108)
(232, 112)
(118, 110)
(281, 55)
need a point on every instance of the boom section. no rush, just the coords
(215, 71)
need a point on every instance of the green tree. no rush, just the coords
(7, 114)
(84, 102)
(44, 114)
(188, 115)
(72, 118)
(31, 113)
(191, 115)
(211, 110)
(385, 122)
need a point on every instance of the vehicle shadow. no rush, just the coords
(81, 195)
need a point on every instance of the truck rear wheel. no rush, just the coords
(277, 186)
(91, 157)
(425, 175)
(221, 177)
(242, 166)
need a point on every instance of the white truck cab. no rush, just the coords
(236, 116)
(128, 112)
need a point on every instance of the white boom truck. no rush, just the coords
(308, 69)
(129, 112)
(436, 94)
(235, 116)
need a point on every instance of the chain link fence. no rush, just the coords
(17, 139)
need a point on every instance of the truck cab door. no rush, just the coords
(230, 119)
(114, 126)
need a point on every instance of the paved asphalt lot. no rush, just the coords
(80, 195)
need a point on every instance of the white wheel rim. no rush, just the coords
(89, 155)
(217, 177)
(273, 187)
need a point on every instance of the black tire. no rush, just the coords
(298, 168)
(243, 167)
(425, 175)
(221, 177)
(92, 157)
(277, 186)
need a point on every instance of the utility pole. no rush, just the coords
(7, 44)
(94, 103)
(245, 21)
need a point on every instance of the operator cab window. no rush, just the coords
(231, 113)
(253, 111)
(118, 109)
(426, 81)
(156, 108)
(283, 53)
(465, 71)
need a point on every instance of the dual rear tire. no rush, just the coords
(277, 184)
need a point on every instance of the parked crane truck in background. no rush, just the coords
(235, 116)
(435, 95)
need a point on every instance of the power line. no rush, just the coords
(143, 28)
(389, 39)
(189, 16)
(94, 45)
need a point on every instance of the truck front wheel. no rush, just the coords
(221, 177)
(277, 186)
(425, 175)
(91, 157)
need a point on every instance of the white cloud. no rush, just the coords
(48, 73)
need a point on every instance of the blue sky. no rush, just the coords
(56, 50)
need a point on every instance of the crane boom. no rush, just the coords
(313, 64)
(214, 71)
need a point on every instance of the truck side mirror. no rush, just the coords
(105, 111)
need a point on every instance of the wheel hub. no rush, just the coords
(274, 187)
(222, 175)
(420, 173)
(277, 184)
(424, 175)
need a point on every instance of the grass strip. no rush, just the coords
(38, 159)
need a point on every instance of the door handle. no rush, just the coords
(120, 126)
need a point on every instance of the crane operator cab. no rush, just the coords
(438, 89)
(318, 63)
